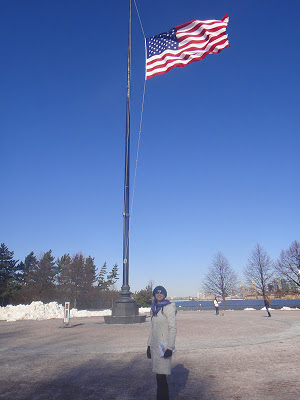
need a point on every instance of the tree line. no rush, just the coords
(45, 279)
(259, 273)
(75, 278)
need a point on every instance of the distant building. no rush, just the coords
(277, 284)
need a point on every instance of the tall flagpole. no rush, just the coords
(125, 288)
(125, 310)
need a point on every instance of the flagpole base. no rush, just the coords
(125, 310)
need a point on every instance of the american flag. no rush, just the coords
(185, 43)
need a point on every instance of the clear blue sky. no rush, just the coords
(219, 154)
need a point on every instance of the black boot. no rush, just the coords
(162, 387)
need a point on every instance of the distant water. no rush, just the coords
(236, 304)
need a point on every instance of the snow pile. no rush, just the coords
(84, 313)
(144, 310)
(36, 311)
(272, 309)
(39, 311)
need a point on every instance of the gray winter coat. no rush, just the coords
(163, 330)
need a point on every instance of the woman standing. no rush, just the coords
(216, 303)
(161, 342)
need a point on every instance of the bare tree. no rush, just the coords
(288, 264)
(259, 270)
(220, 279)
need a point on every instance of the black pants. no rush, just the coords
(162, 387)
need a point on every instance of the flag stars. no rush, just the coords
(159, 43)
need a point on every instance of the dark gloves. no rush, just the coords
(168, 353)
(148, 352)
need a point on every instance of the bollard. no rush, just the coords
(67, 314)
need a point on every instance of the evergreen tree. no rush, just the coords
(87, 289)
(63, 268)
(76, 277)
(144, 297)
(113, 276)
(43, 276)
(26, 268)
(90, 272)
(101, 278)
(8, 274)
(27, 289)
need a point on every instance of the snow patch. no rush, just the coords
(144, 310)
(37, 310)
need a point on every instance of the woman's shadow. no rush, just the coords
(178, 380)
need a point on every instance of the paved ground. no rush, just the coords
(242, 355)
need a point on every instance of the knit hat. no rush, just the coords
(160, 289)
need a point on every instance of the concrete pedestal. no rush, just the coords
(125, 311)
